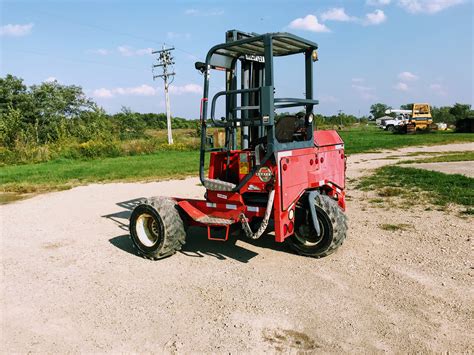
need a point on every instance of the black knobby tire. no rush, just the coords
(391, 128)
(157, 228)
(332, 223)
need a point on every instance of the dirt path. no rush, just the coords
(72, 283)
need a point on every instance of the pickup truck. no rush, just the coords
(390, 124)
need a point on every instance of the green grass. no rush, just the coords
(62, 174)
(369, 139)
(440, 188)
(449, 157)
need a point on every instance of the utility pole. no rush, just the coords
(340, 116)
(165, 60)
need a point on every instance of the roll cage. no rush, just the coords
(257, 102)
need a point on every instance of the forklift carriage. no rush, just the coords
(282, 175)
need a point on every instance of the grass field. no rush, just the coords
(61, 174)
(442, 189)
(366, 139)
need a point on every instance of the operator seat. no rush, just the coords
(287, 127)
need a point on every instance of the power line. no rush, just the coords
(73, 59)
(131, 35)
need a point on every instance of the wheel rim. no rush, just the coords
(147, 230)
(305, 233)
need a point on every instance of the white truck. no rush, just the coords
(388, 123)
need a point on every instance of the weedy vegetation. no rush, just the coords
(416, 185)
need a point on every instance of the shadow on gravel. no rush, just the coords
(197, 245)
(122, 217)
(124, 243)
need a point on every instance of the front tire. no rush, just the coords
(332, 224)
(156, 228)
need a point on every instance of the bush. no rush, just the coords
(99, 149)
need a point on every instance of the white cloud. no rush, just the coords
(336, 14)
(438, 89)
(328, 99)
(195, 12)
(401, 86)
(146, 90)
(100, 51)
(143, 51)
(375, 18)
(128, 51)
(308, 23)
(407, 76)
(141, 90)
(358, 80)
(365, 92)
(378, 2)
(16, 30)
(50, 79)
(125, 51)
(427, 6)
(102, 93)
(186, 89)
(176, 35)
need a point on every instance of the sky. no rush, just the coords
(389, 51)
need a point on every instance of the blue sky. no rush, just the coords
(390, 51)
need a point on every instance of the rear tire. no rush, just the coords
(156, 228)
(332, 223)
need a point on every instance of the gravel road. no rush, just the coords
(71, 281)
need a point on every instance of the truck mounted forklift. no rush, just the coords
(271, 175)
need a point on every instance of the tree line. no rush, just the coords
(52, 120)
(52, 112)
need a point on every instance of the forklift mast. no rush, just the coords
(252, 75)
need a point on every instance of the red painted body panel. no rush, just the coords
(321, 167)
(324, 138)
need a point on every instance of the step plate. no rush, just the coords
(214, 221)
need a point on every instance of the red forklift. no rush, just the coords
(274, 173)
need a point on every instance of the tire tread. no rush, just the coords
(173, 225)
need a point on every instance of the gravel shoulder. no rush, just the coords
(71, 281)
